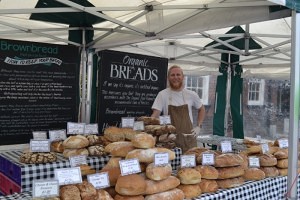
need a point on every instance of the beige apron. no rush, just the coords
(181, 120)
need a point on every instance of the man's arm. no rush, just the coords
(201, 115)
(155, 113)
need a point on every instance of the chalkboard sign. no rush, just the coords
(38, 88)
(128, 85)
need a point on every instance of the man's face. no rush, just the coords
(176, 78)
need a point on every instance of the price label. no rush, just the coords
(39, 145)
(138, 126)
(57, 135)
(258, 137)
(67, 176)
(188, 161)
(129, 166)
(78, 160)
(208, 159)
(283, 143)
(226, 146)
(127, 122)
(99, 180)
(45, 188)
(265, 148)
(39, 135)
(254, 161)
(75, 128)
(165, 119)
(161, 159)
(90, 129)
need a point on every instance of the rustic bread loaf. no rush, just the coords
(245, 164)
(113, 162)
(228, 160)
(86, 169)
(69, 192)
(153, 187)
(270, 171)
(76, 142)
(207, 171)
(96, 150)
(37, 158)
(143, 141)
(147, 155)
(158, 173)
(281, 154)
(149, 120)
(57, 146)
(87, 190)
(133, 184)
(119, 149)
(230, 172)
(189, 176)
(129, 133)
(93, 139)
(123, 197)
(114, 134)
(230, 183)
(190, 191)
(254, 174)
(174, 194)
(208, 186)
(282, 163)
(113, 174)
(75, 152)
(267, 160)
(103, 195)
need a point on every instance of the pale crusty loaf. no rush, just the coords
(147, 155)
(119, 149)
(228, 160)
(153, 187)
(69, 192)
(113, 162)
(245, 164)
(129, 133)
(75, 152)
(230, 183)
(207, 171)
(114, 134)
(254, 174)
(270, 171)
(174, 194)
(158, 173)
(189, 176)
(93, 139)
(190, 191)
(281, 154)
(230, 172)
(255, 149)
(208, 186)
(76, 142)
(123, 197)
(267, 160)
(143, 141)
(133, 184)
(103, 195)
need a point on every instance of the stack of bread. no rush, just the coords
(189, 182)
(75, 145)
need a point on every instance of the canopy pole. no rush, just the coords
(228, 90)
(89, 87)
(83, 81)
(292, 179)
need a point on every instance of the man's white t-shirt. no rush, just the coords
(176, 98)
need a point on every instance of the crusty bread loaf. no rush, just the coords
(270, 171)
(96, 150)
(57, 146)
(230, 182)
(267, 160)
(129, 133)
(190, 191)
(93, 139)
(143, 141)
(207, 171)
(113, 162)
(103, 195)
(119, 149)
(75, 152)
(147, 155)
(114, 134)
(281, 154)
(174, 194)
(228, 160)
(87, 190)
(189, 176)
(123, 197)
(76, 142)
(37, 157)
(208, 186)
(245, 164)
(113, 174)
(283, 163)
(149, 120)
(158, 173)
(153, 187)
(69, 192)
(111, 191)
(133, 184)
(255, 149)
(254, 174)
(230, 172)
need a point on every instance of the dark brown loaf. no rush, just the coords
(87, 190)
(230, 183)
(132, 184)
(96, 150)
(143, 141)
(69, 192)
(190, 191)
(228, 160)
(153, 187)
(207, 171)
(254, 174)
(113, 174)
(230, 172)
(76, 142)
(189, 176)
(37, 158)
(158, 173)
(208, 186)
(174, 194)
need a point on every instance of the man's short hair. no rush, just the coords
(173, 67)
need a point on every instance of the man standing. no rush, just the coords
(177, 102)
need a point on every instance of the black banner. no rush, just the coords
(128, 85)
(38, 88)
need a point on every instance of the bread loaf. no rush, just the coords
(153, 187)
(283, 171)
(75, 152)
(96, 150)
(143, 141)
(113, 162)
(189, 176)
(57, 146)
(267, 160)
(281, 154)
(132, 184)
(114, 134)
(76, 142)
(230, 172)
(255, 149)
(174, 194)
(87, 190)
(69, 192)
(122, 197)
(228, 160)
(230, 183)
(119, 149)
(158, 173)
(147, 155)
(93, 139)
(245, 164)
(270, 171)
(149, 120)
(37, 158)
(111, 191)
(208, 186)
(190, 191)
(254, 174)
(103, 195)
(207, 171)
(113, 174)
(129, 133)
(283, 163)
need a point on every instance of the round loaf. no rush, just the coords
(207, 171)
(75, 152)
(230, 183)
(132, 184)
(129, 133)
(158, 173)
(147, 155)
(114, 134)
(190, 191)
(113, 162)
(103, 195)
(93, 139)
(96, 150)
(57, 146)
(87, 190)
(208, 186)
(69, 192)
(270, 171)
(283, 163)
(119, 149)
(153, 187)
(254, 174)
(76, 142)
(281, 154)
(143, 141)
(267, 160)
(230, 172)
(122, 197)
(228, 160)
(113, 174)
(189, 176)
(174, 194)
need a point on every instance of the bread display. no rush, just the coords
(114, 134)
(207, 171)
(75, 152)
(133, 184)
(190, 191)
(228, 160)
(158, 173)
(37, 158)
(143, 141)
(208, 186)
(174, 194)
(254, 174)
(147, 155)
(189, 176)
(119, 149)
(230, 183)
(57, 146)
(230, 172)
(76, 142)
(169, 183)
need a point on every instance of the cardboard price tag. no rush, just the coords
(67, 176)
(188, 161)
(57, 135)
(127, 122)
(76, 161)
(165, 119)
(254, 161)
(90, 129)
(75, 128)
(265, 148)
(39, 145)
(226, 147)
(45, 188)
(161, 159)
(138, 126)
(39, 135)
(99, 180)
(130, 166)
(283, 143)
(208, 159)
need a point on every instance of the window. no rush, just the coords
(256, 92)
(198, 84)
(284, 98)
